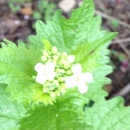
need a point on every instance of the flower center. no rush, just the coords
(56, 66)
(58, 72)
(78, 79)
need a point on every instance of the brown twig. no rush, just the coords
(14, 35)
(121, 41)
(121, 23)
(124, 91)
(125, 49)
(112, 18)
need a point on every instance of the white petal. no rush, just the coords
(77, 69)
(51, 76)
(83, 88)
(50, 66)
(41, 79)
(70, 82)
(87, 77)
(39, 67)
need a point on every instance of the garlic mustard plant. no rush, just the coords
(51, 83)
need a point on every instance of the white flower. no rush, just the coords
(45, 72)
(79, 79)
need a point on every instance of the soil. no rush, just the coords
(17, 23)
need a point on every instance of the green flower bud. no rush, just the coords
(61, 61)
(57, 93)
(49, 53)
(62, 85)
(44, 58)
(62, 71)
(55, 58)
(45, 53)
(56, 75)
(58, 66)
(62, 90)
(58, 70)
(45, 90)
(50, 60)
(55, 82)
(68, 72)
(47, 84)
(61, 79)
(59, 53)
(64, 55)
(54, 50)
(52, 88)
(66, 66)
(53, 94)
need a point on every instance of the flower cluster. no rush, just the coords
(57, 72)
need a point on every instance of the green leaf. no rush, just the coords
(10, 112)
(109, 115)
(68, 33)
(36, 42)
(47, 45)
(17, 68)
(96, 64)
(93, 57)
(66, 114)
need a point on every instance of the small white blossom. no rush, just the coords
(45, 72)
(79, 79)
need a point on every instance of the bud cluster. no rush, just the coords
(62, 63)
